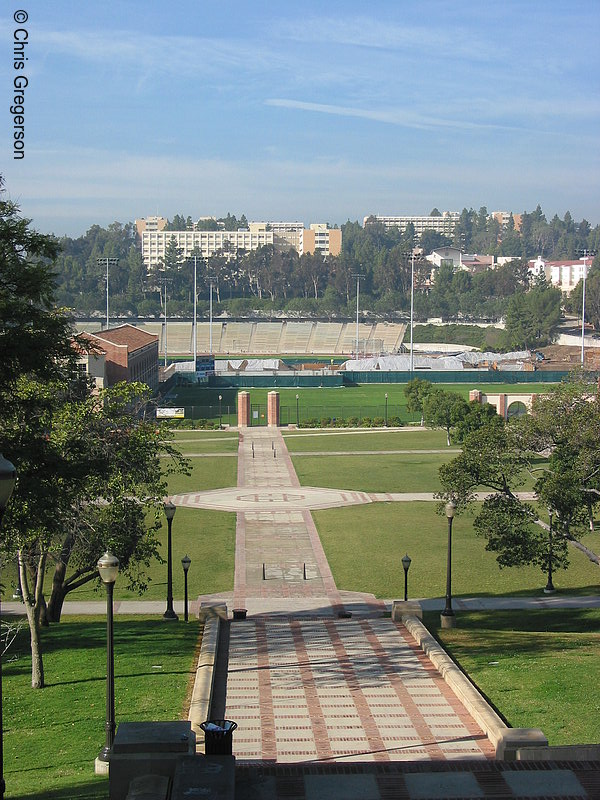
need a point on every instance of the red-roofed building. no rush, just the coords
(563, 274)
(130, 354)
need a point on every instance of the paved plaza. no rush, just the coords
(333, 699)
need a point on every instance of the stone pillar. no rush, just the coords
(502, 405)
(243, 409)
(273, 409)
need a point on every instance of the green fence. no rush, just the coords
(459, 376)
(383, 376)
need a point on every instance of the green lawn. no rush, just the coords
(302, 441)
(388, 473)
(193, 441)
(206, 473)
(340, 402)
(539, 669)
(364, 545)
(53, 735)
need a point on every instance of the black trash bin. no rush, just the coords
(218, 736)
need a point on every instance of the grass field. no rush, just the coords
(302, 441)
(540, 669)
(53, 735)
(339, 402)
(364, 546)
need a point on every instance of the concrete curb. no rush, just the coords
(205, 674)
(507, 741)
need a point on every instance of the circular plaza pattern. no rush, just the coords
(261, 499)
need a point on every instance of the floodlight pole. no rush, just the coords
(210, 316)
(166, 323)
(358, 276)
(194, 344)
(412, 307)
(107, 262)
(586, 254)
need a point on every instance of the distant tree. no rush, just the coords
(416, 391)
(444, 410)
(532, 319)
(432, 240)
(435, 212)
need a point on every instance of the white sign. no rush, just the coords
(170, 413)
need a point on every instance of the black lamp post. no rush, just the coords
(108, 567)
(185, 563)
(549, 586)
(448, 618)
(170, 614)
(220, 412)
(406, 560)
(297, 411)
(386, 409)
(8, 477)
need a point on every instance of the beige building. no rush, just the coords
(319, 238)
(150, 224)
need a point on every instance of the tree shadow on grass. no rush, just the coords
(555, 620)
(95, 789)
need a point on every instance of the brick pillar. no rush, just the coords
(502, 405)
(273, 409)
(475, 394)
(243, 409)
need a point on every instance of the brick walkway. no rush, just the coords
(333, 700)
(306, 683)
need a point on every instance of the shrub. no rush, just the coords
(378, 422)
(353, 422)
(394, 422)
(366, 422)
(325, 422)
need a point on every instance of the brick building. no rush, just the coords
(130, 354)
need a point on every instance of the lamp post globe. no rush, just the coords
(406, 562)
(170, 509)
(185, 563)
(108, 567)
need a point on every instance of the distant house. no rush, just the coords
(124, 353)
(565, 275)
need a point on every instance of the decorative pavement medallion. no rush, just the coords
(243, 499)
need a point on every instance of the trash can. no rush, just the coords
(218, 736)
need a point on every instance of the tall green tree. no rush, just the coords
(90, 471)
(34, 335)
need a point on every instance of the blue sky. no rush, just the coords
(306, 111)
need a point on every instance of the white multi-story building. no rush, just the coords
(565, 275)
(443, 224)
(282, 235)
(204, 243)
